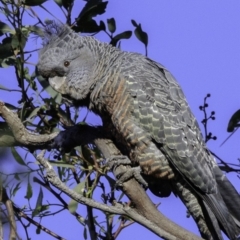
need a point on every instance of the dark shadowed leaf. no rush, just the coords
(15, 41)
(85, 233)
(16, 188)
(4, 28)
(234, 121)
(59, 2)
(111, 25)
(134, 23)
(102, 26)
(34, 2)
(10, 106)
(67, 3)
(141, 35)
(38, 230)
(17, 157)
(7, 62)
(6, 48)
(89, 27)
(85, 22)
(118, 37)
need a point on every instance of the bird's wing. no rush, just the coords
(162, 110)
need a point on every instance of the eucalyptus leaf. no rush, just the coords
(141, 35)
(234, 121)
(111, 25)
(17, 157)
(33, 3)
(38, 205)
(16, 188)
(4, 88)
(59, 2)
(34, 112)
(118, 37)
(4, 28)
(85, 21)
(29, 192)
(72, 206)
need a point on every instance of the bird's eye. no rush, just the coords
(66, 63)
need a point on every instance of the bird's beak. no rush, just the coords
(59, 84)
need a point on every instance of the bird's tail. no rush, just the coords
(217, 205)
(229, 194)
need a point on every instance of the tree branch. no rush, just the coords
(144, 211)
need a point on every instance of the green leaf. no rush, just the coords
(34, 113)
(111, 25)
(118, 37)
(16, 189)
(59, 164)
(29, 192)
(38, 206)
(33, 3)
(72, 206)
(17, 157)
(234, 121)
(4, 28)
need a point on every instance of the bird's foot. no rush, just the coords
(115, 161)
(134, 172)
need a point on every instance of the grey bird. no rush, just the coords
(145, 110)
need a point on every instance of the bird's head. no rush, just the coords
(67, 60)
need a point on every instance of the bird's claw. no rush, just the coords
(128, 173)
(117, 160)
(134, 172)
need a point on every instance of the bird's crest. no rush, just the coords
(54, 30)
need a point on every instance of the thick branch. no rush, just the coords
(22, 137)
(9, 206)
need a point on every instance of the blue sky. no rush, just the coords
(199, 43)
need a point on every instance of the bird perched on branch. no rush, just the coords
(145, 110)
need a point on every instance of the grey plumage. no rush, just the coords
(150, 120)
